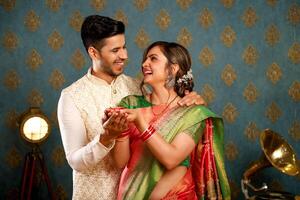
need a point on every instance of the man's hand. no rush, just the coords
(192, 98)
(113, 126)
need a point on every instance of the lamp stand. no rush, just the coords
(32, 159)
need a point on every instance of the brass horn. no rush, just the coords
(277, 153)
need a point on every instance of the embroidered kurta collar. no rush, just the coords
(99, 81)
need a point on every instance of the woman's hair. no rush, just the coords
(176, 54)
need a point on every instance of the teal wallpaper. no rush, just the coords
(246, 64)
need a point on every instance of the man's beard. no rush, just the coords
(108, 69)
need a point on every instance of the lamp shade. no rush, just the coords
(34, 126)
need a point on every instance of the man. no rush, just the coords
(81, 109)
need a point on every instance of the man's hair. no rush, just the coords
(96, 28)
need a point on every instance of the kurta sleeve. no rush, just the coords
(81, 154)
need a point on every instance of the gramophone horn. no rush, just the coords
(277, 153)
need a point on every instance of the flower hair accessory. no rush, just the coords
(185, 78)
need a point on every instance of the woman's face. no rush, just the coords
(154, 67)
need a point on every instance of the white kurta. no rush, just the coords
(80, 110)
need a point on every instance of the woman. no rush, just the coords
(169, 152)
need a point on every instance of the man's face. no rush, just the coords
(113, 55)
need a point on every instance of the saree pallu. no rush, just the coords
(205, 177)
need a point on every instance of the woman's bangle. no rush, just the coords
(147, 133)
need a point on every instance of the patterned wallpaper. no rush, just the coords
(246, 60)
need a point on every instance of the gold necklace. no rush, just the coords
(158, 114)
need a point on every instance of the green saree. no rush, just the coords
(206, 176)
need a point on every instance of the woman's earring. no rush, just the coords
(170, 81)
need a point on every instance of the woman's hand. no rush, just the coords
(141, 117)
(109, 111)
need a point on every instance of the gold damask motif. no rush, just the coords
(76, 20)
(13, 158)
(294, 131)
(10, 41)
(77, 59)
(55, 40)
(234, 189)
(294, 91)
(273, 112)
(294, 53)
(228, 36)
(12, 80)
(141, 4)
(56, 79)
(54, 5)
(250, 93)
(8, 5)
(184, 37)
(250, 55)
(294, 14)
(231, 151)
(227, 3)
(32, 21)
(252, 132)
(272, 2)
(163, 19)
(249, 17)
(98, 5)
(230, 113)
(208, 93)
(58, 156)
(35, 98)
(184, 4)
(228, 75)
(61, 193)
(142, 39)
(121, 16)
(11, 119)
(272, 35)
(34, 60)
(206, 56)
(274, 73)
(206, 18)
